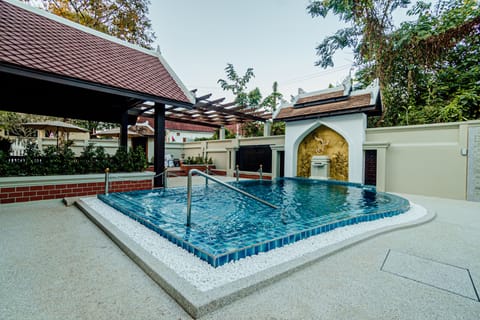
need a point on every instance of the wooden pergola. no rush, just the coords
(52, 66)
(205, 112)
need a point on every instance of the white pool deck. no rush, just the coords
(56, 264)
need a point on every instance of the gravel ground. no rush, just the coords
(204, 277)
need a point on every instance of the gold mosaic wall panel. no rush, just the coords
(324, 141)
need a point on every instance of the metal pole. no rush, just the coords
(207, 172)
(107, 180)
(260, 171)
(189, 198)
(237, 172)
(189, 192)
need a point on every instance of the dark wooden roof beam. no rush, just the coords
(207, 124)
(205, 97)
(207, 103)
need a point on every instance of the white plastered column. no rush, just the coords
(381, 148)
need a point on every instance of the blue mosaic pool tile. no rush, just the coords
(127, 204)
(221, 260)
(278, 243)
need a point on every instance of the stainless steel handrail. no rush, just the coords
(260, 172)
(164, 175)
(189, 192)
(107, 180)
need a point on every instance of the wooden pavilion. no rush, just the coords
(52, 66)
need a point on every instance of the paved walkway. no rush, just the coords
(55, 264)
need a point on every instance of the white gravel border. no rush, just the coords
(204, 277)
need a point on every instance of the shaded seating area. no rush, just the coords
(52, 66)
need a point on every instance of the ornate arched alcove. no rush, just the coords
(324, 141)
(329, 122)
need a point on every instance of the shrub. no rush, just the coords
(32, 165)
(5, 145)
(68, 163)
(102, 160)
(6, 168)
(62, 161)
(138, 159)
(87, 159)
(119, 161)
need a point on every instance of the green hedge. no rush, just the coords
(62, 161)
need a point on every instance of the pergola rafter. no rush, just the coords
(210, 113)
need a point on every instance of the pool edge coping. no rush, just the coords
(198, 303)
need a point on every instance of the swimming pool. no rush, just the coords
(227, 226)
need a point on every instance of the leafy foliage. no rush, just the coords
(125, 19)
(238, 85)
(198, 160)
(252, 99)
(93, 126)
(270, 103)
(62, 160)
(278, 128)
(12, 123)
(428, 68)
(5, 145)
(252, 129)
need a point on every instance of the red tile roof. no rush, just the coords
(34, 39)
(333, 101)
(321, 96)
(346, 106)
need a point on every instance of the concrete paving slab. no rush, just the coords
(56, 264)
(198, 303)
(450, 278)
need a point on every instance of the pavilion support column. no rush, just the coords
(159, 144)
(276, 149)
(221, 133)
(267, 128)
(124, 131)
(231, 158)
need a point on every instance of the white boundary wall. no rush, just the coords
(429, 159)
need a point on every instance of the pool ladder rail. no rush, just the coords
(208, 177)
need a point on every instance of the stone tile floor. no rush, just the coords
(55, 264)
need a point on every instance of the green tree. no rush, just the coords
(253, 100)
(238, 86)
(435, 69)
(271, 102)
(403, 59)
(13, 123)
(368, 21)
(93, 126)
(125, 19)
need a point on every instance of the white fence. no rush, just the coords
(18, 147)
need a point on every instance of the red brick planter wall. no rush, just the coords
(59, 191)
(253, 176)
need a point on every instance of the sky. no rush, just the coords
(277, 38)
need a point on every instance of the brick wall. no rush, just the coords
(253, 176)
(59, 191)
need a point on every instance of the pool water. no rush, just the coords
(227, 226)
